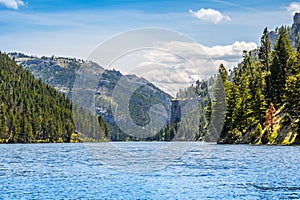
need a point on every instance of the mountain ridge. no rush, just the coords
(60, 72)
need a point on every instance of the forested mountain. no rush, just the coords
(31, 111)
(204, 122)
(263, 94)
(55, 71)
(61, 73)
(139, 104)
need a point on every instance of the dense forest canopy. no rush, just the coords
(263, 82)
(262, 94)
(31, 111)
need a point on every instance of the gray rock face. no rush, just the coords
(294, 31)
(297, 18)
(273, 37)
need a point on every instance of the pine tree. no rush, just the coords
(294, 64)
(264, 57)
(223, 72)
(265, 49)
(103, 126)
(217, 106)
(282, 53)
(292, 95)
(231, 96)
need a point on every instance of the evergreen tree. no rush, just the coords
(103, 126)
(294, 64)
(282, 53)
(264, 57)
(292, 95)
(265, 49)
(217, 107)
(223, 73)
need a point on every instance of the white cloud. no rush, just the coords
(229, 52)
(13, 4)
(293, 7)
(229, 55)
(209, 14)
(178, 64)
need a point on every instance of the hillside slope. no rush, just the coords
(61, 74)
(263, 95)
(31, 111)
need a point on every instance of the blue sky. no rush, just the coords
(75, 28)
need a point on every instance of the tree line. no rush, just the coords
(32, 111)
(267, 79)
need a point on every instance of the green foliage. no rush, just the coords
(31, 111)
(223, 73)
(254, 84)
(103, 126)
(272, 137)
(74, 138)
(192, 126)
(281, 55)
(245, 101)
(218, 102)
(256, 134)
(87, 125)
(265, 49)
(292, 95)
(264, 139)
(235, 136)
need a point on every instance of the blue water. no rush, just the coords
(77, 171)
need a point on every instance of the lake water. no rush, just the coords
(118, 171)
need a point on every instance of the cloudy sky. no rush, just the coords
(220, 28)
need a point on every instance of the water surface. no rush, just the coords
(74, 171)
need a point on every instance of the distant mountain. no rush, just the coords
(57, 72)
(292, 30)
(60, 73)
